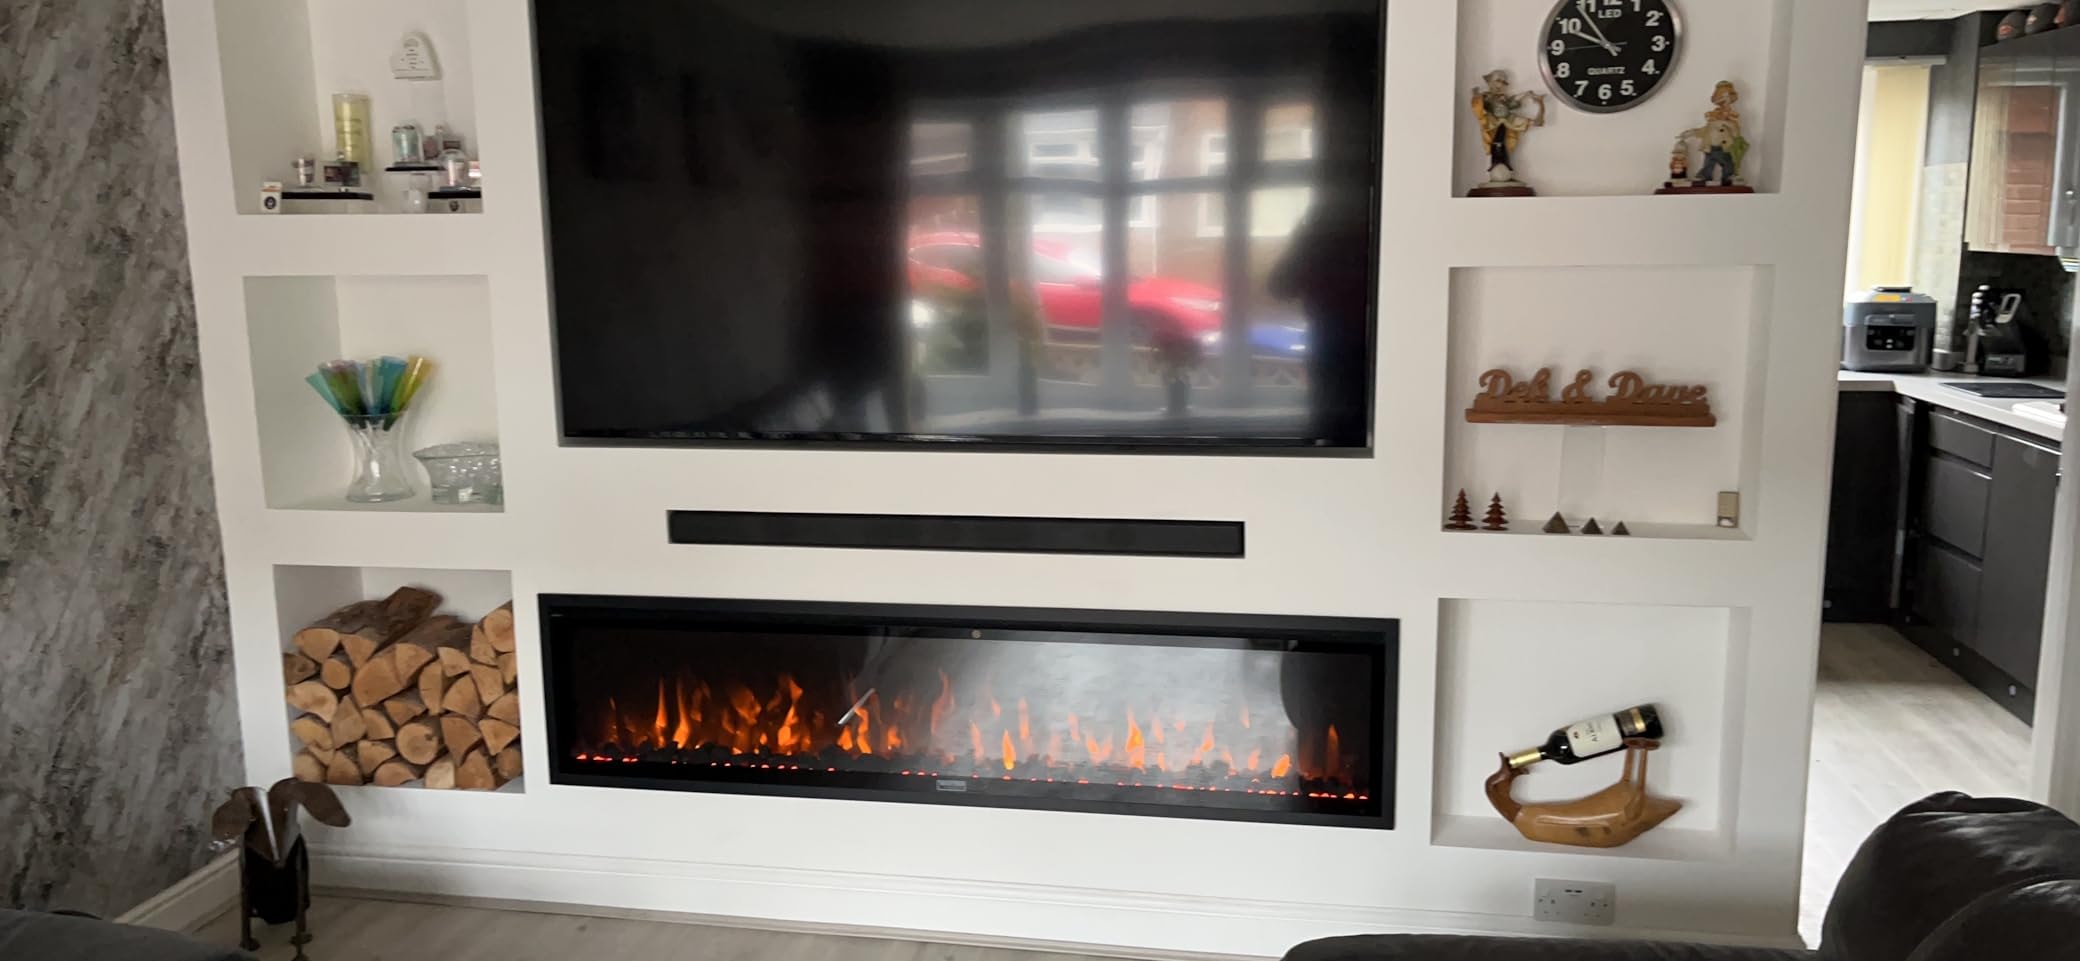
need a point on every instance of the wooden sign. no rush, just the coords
(1633, 402)
(1609, 818)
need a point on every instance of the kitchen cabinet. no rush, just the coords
(1863, 515)
(2017, 561)
(1976, 545)
(2022, 123)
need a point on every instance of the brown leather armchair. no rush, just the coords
(1948, 878)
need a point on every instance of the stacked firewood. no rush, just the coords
(393, 693)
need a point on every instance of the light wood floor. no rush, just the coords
(353, 929)
(1891, 726)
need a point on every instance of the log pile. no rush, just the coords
(392, 693)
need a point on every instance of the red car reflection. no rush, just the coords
(1070, 291)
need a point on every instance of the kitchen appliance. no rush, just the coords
(1995, 346)
(1888, 329)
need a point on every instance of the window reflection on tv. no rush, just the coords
(1136, 224)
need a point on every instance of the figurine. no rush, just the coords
(1621, 530)
(1557, 525)
(1498, 113)
(274, 867)
(1722, 146)
(1592, 528)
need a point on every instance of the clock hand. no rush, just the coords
(1587, 8)
(1607, 46)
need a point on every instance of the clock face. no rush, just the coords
(1604, 56)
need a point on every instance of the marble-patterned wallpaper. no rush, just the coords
(117, 725)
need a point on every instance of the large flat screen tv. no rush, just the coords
(1112, 224)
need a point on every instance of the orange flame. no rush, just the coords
(1054, 749)
(1284, 765)
(1025, 727)
(1333, 764)
(1009, 752)
(1256, 761)
(845, 740)
(1245, 715)
(657, 726)
(975, 735)
(866, 728)
(1136, 748)
(1155, 728)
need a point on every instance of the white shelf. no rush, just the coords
(285, 245)
(1642, 231)
(466, 541)
(294, 323)
(1492, 833)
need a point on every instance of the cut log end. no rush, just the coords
(420, 741)
(498, 629)
(395, 773)
(312, 732)
(347, 726)
(462, 699)
(337, 672)
(506, 708)
(440, 775)
(491, 685)
(497, 734)
(372, 755)
(307, 768)
(474, 773)
(313, 697)
(343, 769)
(459, 734)
(507, 765)
(297, 668)
(404, 707)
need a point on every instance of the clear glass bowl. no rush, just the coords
(465, 473)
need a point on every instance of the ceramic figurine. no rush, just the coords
(1722, 147)
(1499, 115)
(2068, 14)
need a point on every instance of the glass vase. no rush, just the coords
(379, 464)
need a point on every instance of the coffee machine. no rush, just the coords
(1995, 345)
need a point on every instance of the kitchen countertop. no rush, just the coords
(1929, 387)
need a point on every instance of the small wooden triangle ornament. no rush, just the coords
(1558, 525)
(1592, 527)
(1621, 530)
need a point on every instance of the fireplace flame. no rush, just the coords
(783, 725)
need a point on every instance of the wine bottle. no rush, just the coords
(1594, 737)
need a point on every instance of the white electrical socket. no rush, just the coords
(1574, 902)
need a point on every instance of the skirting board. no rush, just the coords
(192, 901)
(1143, 925)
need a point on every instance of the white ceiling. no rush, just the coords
(1934, 9)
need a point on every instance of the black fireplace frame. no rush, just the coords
(1298, 632)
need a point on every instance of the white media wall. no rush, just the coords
(1503, 637)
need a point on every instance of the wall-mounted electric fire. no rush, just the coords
(1220, 716)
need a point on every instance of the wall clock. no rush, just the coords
(1604, 56)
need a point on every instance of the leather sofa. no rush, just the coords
(1948, 878)
(28, 936)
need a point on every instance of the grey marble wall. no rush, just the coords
(117, 725)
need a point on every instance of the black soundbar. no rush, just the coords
(918, 532)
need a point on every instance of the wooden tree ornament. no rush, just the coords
(1462, 514)
(1609, 818)
(1496, 520)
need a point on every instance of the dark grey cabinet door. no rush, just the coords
(1949, 593)
(2018, 556)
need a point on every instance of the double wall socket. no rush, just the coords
(1574, 902)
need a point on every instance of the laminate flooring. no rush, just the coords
(357, 929)
(1891, 725)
